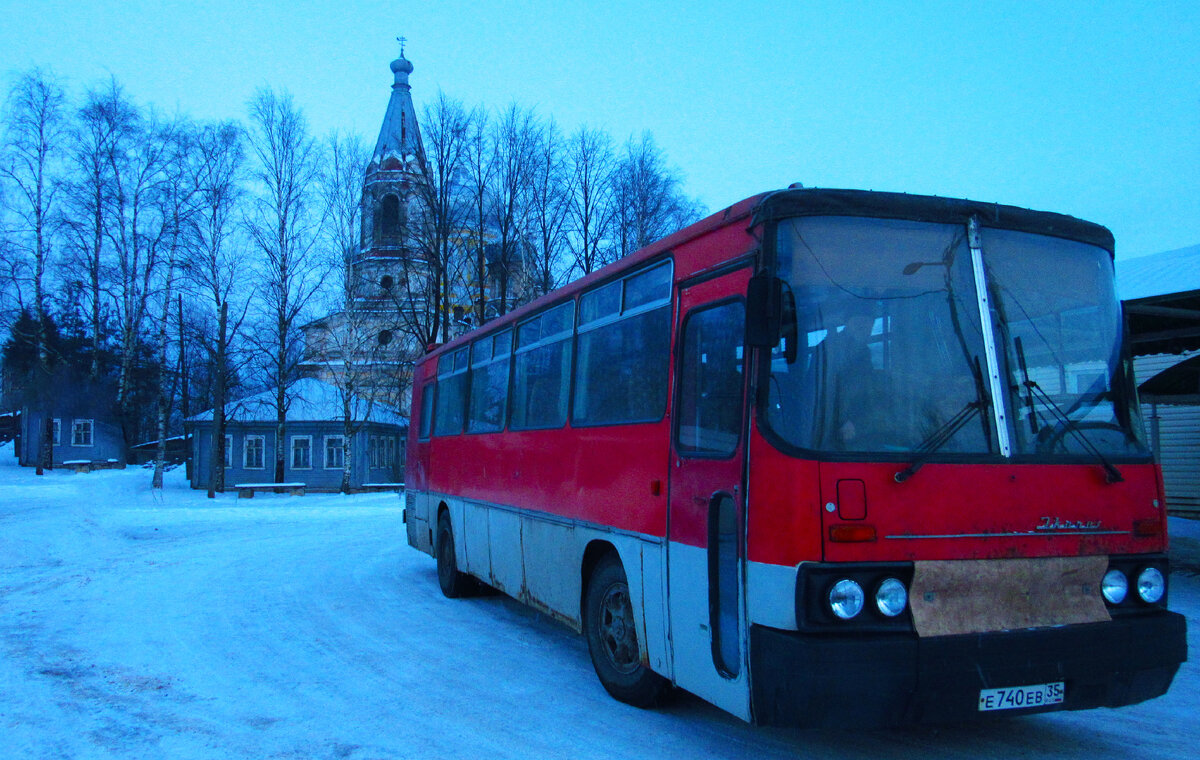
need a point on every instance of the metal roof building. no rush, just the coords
(1161, 293)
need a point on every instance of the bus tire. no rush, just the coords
(453, 583)
(612, 638)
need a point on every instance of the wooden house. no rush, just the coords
(314, 441)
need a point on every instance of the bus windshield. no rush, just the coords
(1060, 329)
(885, 349)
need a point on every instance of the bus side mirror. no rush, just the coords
(764, 311)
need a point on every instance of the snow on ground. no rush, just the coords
(136, 624)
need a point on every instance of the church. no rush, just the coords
(365, 345)
(369, 346)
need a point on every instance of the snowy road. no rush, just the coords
(135, 625)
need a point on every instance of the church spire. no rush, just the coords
(399, 140)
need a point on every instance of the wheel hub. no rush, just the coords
(616, 629)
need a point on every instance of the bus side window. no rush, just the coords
(709, 418)
(489, 382)
(542, 370)
(451, 404)
(426, 422)
(621, 369)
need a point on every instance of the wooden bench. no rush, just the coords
(373, 487)
(246, 490)
(87, 465)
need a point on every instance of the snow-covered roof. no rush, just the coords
(1158, 274)
(311, 401)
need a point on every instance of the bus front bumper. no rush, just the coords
(880, 680)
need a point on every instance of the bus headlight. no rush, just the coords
(846, 599)
(1150, 585)
(1114, 586)
(891, 597)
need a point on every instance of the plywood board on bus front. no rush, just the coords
(977, 596)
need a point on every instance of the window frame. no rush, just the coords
(624, 313)
(373, 452)
(425, 422)
(80, 425)
(677, 420)
(293, 449)
(453, 372)
(566, 336)
(262, 451)
(480, 365)
(328, 448)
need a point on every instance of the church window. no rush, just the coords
(389, 218)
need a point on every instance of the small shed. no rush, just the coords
(314, 445)
(1161, 294)
(176, 449)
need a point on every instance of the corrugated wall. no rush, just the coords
(1174, 431)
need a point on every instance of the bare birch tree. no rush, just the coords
(104, 123)
(283, 227)
(35, 128)
(217, 162)
(514, 141)
(650, 203)
(352, 349)
(590, 209)
(178, 204)
(139, 230)
(481, 168)
(443, 206)
(549, 199)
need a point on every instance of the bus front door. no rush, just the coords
(707, 495)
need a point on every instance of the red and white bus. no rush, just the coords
(826, 457)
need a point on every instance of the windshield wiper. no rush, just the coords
(939, 438)
(947, 430)
(1067, 425)
(1033, 415)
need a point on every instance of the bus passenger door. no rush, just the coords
(706, 527)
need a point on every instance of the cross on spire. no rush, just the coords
(402, 40)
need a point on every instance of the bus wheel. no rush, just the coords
(454, 584)
(612, 638)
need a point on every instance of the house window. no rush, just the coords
(253, 452)
(301, 452)
(373, 455)
(81, 433)
(335, 452)
(389, 455)
(228, 451)
(57, 432)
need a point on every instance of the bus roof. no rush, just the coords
(927, 208)
(823, 202)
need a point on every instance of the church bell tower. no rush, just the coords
(389, 197)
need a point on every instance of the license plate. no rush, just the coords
(1016, 697)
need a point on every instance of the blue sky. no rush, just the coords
(1086, 108)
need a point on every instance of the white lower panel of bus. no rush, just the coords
(771, 595)
(694, 661)
(537, 558)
